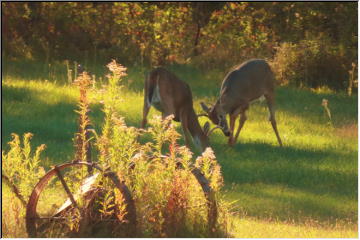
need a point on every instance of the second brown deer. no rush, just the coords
(171, 96)
(247, 82)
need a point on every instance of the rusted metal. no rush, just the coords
(210, 197)
(67, 190)
(32, 218)
(130, 204)
(85, 189)
(88, 146)
(14, 189)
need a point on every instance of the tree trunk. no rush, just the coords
(197, 37)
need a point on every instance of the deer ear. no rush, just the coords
(204, 107)
(206, 128)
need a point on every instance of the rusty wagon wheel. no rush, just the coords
(78, 207)
(210, 198)
(212, 210)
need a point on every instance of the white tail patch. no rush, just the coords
(260, 99)
(148, 102)
(197, 142)
(156, 99)
(156, 96)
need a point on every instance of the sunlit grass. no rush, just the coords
(255, 228)
(282, 202)
(307, 189)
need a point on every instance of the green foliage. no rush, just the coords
(310, 63)
(232, 37)
(166, 198)
(308, 188)
(211, 169)
(21, 166)
(21, 169)
(208, 35)
(169, 201)
(82, 138)
(116, 143)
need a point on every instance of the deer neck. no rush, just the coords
(196, 131)
(220, 106)
(214, 112)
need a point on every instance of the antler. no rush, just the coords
(204, 107)
(210, 131)
(202, 115)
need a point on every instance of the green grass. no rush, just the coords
(308, 188)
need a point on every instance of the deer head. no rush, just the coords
(216, 117)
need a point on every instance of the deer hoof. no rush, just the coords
(231, 142)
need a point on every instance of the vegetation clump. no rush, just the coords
(21, 169)
(169, 199)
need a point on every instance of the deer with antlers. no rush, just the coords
(169, 95)
(245, 83)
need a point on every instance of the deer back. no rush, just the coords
(167, 93)
(170, 95)
(246, 83)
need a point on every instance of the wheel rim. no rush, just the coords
(32, 216)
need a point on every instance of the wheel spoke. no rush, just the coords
(68, 192)
(60, 222)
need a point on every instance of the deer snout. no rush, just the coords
(226, 133)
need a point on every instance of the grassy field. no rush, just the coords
(308, 188)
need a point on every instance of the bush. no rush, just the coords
(169, 201)
(168, 198)
(310, 63)
(20, 172)
(21, 168)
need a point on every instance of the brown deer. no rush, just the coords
(170, 95)
(245, 83)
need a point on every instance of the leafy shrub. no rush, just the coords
(20, 166)
(20, 172)
(310, 63)
(168, 199)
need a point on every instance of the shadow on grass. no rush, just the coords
(311, 170)
(33, 70)
(205, 87)
(289, 183)
(52, 124)
(307, 104)
(314, 177)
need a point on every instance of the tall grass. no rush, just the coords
(168, 199)
(309, 185)
(20, 169)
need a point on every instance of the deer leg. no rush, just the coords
(232, 125)
(184, 125)
(167, 108)
(145, 113)
(241, 124)
(270, 103)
